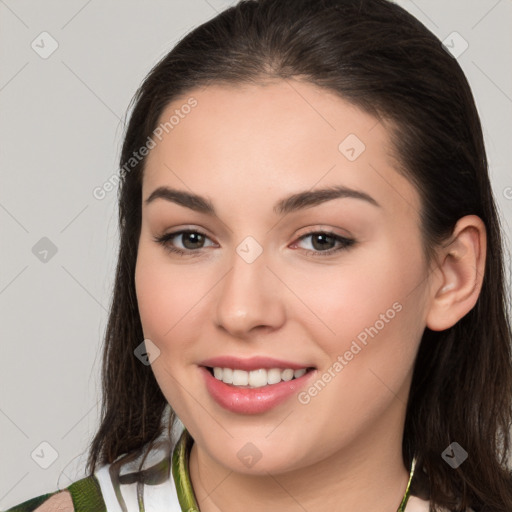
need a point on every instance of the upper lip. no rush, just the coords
(251, 363)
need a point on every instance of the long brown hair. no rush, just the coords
(381, 59)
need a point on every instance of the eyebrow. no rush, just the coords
(295, 202)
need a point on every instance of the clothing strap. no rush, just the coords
(86, 495)
(405, 499)
(180, 473)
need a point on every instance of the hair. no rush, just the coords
(378, 57)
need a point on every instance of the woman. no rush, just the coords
(310, 277)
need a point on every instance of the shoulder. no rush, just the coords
(59, 502)
(416, 504)
(84, 494)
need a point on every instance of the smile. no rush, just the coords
(256, 378)
(259, 397)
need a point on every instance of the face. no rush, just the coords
(335, 283)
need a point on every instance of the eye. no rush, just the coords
(324, 243)
(191, 240)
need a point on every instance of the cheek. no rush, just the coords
(169, 293)
(166, 298)
(374, 309)
(349, 296)
(164, 292)
(378, 352)
(157, 306)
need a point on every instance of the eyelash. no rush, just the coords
(165, 239)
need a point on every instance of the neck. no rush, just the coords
(367, 475)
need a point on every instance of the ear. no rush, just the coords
(458, 281)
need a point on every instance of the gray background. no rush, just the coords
(60, 129)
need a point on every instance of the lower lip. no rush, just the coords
(252, 400)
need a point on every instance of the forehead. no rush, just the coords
(253, 114)
(286, 134)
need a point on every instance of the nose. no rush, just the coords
(249, 300)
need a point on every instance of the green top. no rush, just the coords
(87, 497)
(85, 493)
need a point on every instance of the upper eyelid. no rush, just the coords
(313, 231)
(175, 234)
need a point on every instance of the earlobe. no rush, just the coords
(461, 271)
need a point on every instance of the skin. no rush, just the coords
(245, 148)
(60, 502)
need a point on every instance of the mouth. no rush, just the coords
(257, 390)
(258, 378)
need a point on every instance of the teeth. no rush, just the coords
(287, 375)
(226, 375)
(256, 378)
(273, 376)
(240, 378)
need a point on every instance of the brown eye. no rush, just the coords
(321, 241)
(324, 243)
(191, 241)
